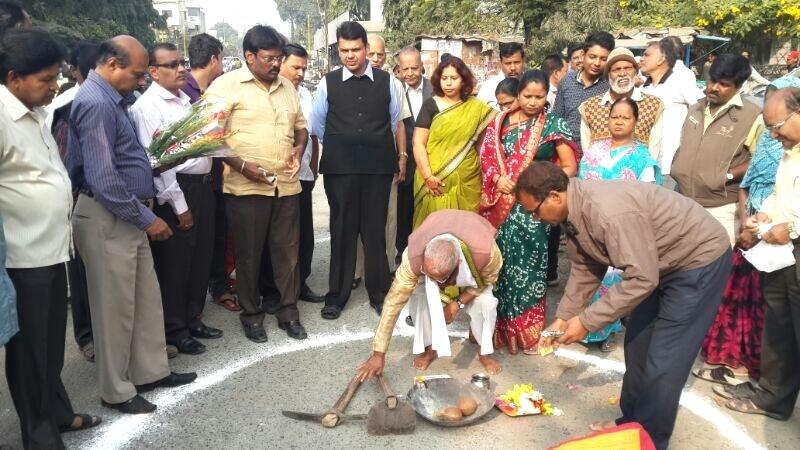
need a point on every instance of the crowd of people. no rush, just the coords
(462, 187)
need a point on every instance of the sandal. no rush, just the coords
(728, 391)
(331, 312)
(87, 422)
(608, 346)
(746, 405)
(228, 301)
(721, 375)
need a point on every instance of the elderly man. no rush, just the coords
(185, 201)
(261, 183)
(677, 92)
(36, 204)
(356, 112)
(512, 64)
(581, 85)
(674, 259)
(450, 248)
(718, 136)
(112, 222)
(621, 70)
(779, 384)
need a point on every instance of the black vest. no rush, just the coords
(358, 127)
(411, 164)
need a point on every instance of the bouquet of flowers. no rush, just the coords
(524, 400)
(199, 132)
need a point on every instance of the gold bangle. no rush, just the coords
(402, 155)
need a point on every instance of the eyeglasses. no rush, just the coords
(535, 212)
(780, 125)
(269, 60)
(172, 64)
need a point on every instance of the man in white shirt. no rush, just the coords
(185, 203)
(512, 64)
(294, 68)
(36, 203)
(677, 91)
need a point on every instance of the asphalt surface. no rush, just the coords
(242, 388)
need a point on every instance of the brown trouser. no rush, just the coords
(254, 220)
(124, 299)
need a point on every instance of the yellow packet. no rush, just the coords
(544, 351)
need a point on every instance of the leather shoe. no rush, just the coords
(205, 332)
(378, 307)
(190, 346)
(174, 379)
(307, 295)
(255, 332)
(331, 312)
(294, 329)
(136, 405)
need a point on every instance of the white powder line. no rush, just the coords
(120, 432)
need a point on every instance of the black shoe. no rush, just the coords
(255, 332)
(378, 307)
(331, 312)
(136, 405)
(190, 346)
(356, 283)
(205, 332)
(307, 295)
(174, 379)
(294, 329)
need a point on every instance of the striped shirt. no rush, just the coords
(105, 157)
(571, 94)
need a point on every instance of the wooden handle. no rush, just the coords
(391, 398)
(331, 419)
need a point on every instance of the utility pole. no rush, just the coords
(183, 18)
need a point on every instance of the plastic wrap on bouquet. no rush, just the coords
(200, 132)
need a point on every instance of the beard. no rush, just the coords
(621, 89)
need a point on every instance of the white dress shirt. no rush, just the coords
(678, 91)
(35, 190)
(155, 108)
(320, 106)
(307, 105)
(486, 92)
(63, 98)
(415, 98)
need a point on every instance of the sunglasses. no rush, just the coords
(172, 64)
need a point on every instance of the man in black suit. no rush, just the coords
(356, 111)
(417, 89)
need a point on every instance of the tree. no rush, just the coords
(73, 20)
(358, 9)
(298, 13)
(229, 38)
(745, 20)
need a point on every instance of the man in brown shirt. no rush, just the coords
(674, 258)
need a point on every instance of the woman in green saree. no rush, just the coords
(448, 130)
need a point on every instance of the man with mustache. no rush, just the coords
(512, 64)
(718, 135)
(621, 70)
(185, 201)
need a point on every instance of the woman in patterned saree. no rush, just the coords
(734, 340)
(448, 126)
(513, 141)
(617, 158)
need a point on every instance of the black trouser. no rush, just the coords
(35, 355)
(266, 281)
(183, 261)
(405, 213)
(553, 242)
(79, 300)
(218, 278)
(256, 220)
(662, 339)
(358, 206)
(780, 344)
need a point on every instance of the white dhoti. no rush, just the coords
(430, 328)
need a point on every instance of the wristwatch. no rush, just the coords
(792, 231)
(460, 305)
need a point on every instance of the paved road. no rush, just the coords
(242, 387)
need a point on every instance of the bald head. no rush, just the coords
(782, 116)
(376, 53)
(123, 63)
(440, 259)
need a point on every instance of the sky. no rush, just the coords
(242, 14)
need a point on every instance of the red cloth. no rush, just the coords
(629, 436)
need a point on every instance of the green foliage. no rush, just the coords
(229, 37)
(73, 20)
(297, 13)
(745, 19)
